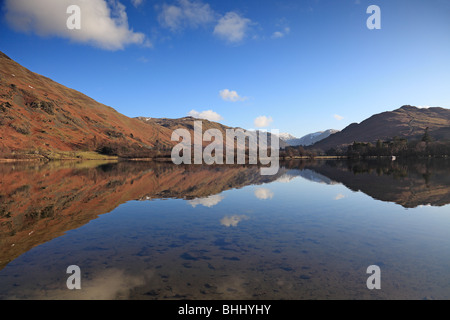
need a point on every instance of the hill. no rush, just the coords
(188, 123)
(407, 122)
(42, 118)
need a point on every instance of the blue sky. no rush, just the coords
(306, 65)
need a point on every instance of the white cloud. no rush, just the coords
(263, 121)
(108, 284)
(137, 3)
(338, 117)
(232, 27)
(207, 115)
(104, 23)
(185, 14)
(424, 107)
(231, 96)
(232, 221)
(263, 194)
(277, 34)
(281, 34)
(208, 202)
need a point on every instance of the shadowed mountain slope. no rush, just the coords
(406, 122)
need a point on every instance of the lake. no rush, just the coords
(158, 231)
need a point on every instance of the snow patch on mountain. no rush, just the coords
(310, 139)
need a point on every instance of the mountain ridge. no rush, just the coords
(42, 119)
(405, 122)
(312, 138)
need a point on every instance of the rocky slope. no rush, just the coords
(40, 116)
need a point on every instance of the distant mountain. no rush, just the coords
(188, 123)
(183, 123)
(46, 119)
(312, 138)
(307, 140)
(407, 122)
(286, 136)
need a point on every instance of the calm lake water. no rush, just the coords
(160, 231)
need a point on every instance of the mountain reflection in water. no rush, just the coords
(41, 202)
(48, 200)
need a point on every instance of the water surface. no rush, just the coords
(159, 231)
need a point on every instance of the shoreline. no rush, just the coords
(159, 159)
(19, 160)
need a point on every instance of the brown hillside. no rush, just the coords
(40, 116)
(406, 122)
(185, 123)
